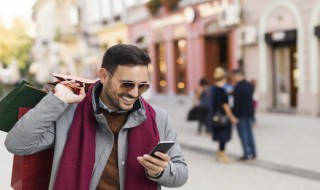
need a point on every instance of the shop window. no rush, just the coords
(161, 68)
(180, 66)
(117, 18)
(141, 40)
(150, 66)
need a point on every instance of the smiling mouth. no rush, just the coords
(127, 99)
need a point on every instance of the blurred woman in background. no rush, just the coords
(219, 104)
(202, 99)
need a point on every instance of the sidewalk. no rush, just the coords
(286, 143)
(288, 153)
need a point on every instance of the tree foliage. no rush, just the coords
(15, 44)
(154, 5)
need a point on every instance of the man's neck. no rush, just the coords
(103, 106)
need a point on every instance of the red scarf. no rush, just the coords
(77, 161)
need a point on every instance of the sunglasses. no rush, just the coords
(129, 85)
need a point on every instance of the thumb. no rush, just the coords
(82, 91)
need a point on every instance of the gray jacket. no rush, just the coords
(48, 123)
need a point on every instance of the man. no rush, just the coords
(102, 138)
(243, 110)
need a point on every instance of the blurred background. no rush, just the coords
(276, 43)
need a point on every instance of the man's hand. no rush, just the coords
(234, 120)
(65, 93)
(154, 166)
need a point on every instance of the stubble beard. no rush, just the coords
(117, 101)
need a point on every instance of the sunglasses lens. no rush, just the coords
(143, 87)
(128, 85)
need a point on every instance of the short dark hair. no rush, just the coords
(203, 82)
(238, 72)
(124, 54)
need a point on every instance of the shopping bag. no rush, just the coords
(31, 172)
(84, 82)
(198, 113)
(24, 95)
(220, 120)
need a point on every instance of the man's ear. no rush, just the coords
(103, 74)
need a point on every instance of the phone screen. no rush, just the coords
(162, 146)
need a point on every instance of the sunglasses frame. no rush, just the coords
(129, 85)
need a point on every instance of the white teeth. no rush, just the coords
(128, 99)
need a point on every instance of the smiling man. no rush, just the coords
(102, 138)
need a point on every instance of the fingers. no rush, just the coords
(82, 91)
(72, 85)
(234, 120)
(154, 165)
(61, 87)
(69, 92)
(163, 156)
(67, 82)
(152, 168)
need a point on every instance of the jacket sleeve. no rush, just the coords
(176, 174)
(35, 131)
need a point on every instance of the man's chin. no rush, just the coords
(126, 107)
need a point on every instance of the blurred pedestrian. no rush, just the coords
(228, 87)
(255, 102)
(219, 104)
(202, 99)
(243, 110)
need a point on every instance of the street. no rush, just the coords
(287, 145)
(288, 153)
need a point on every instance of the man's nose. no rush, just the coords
(134, 92)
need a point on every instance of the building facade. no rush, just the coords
(43, 48)
(187, 43)
(276, 42)
(58, 45)
(103, 24)
(286, 68)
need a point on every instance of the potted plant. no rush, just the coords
(153, 6)
(170, 4)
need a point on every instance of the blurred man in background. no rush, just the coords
(243, 110)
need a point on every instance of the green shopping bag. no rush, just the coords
(24, 95)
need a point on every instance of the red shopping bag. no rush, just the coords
(31, 172)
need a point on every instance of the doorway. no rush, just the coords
(285, 77)
(216, 54)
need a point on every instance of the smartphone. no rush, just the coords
(162, 146)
